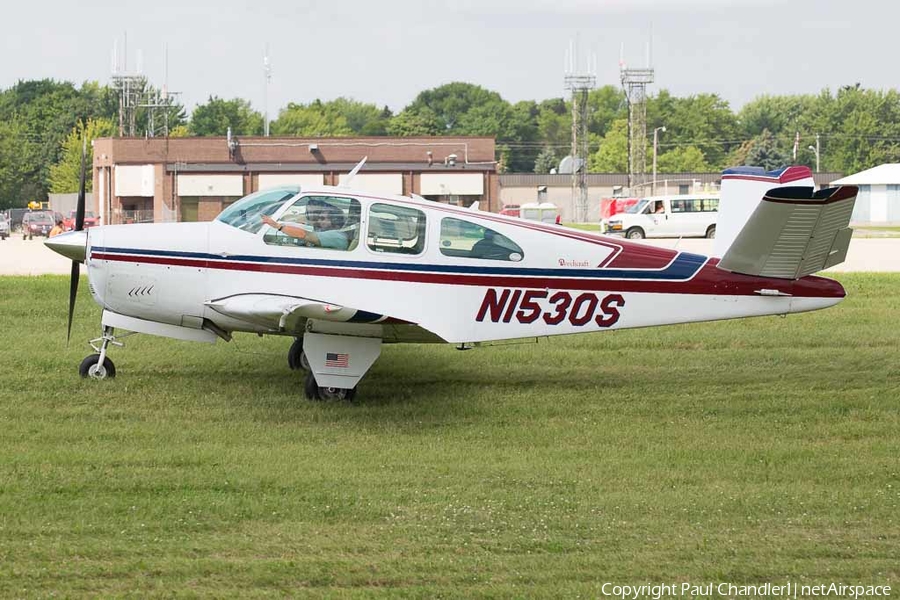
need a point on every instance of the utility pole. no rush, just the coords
(817, 153)
(816, 150)
(655, 144)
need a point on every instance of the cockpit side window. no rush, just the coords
(397, 229)
(246, 214)
(464, 239)
(330, 222)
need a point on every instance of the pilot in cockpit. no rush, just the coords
(327, 222)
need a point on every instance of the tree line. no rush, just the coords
(42, 123)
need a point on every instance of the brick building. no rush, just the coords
(193, 179)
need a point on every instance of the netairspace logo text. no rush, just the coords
(786, 590)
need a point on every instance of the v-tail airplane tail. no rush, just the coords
(774, 224)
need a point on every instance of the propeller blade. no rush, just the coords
(73, 292)
(79, 209)
(79, 226)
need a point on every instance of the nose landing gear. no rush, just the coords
(99, 366)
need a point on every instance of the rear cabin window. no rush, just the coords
(463, 239)
(333, 220)
(397, 229)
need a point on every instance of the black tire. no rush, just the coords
(295, 355)
(635, 233)
(310, 387)
(711, 232)
(339, 394)
(89, 369)
(314, 392)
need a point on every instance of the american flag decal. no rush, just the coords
(340, 361)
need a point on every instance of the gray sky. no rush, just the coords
(388, 51)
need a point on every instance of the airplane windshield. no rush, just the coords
(246, 214)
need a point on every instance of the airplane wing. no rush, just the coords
(794, 232)
(289, 314)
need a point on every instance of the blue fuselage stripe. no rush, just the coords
(683, 267)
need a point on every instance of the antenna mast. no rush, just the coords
(634, 82)
(580, 86)
(135, 94)
(267, 74)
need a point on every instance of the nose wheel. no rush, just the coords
(93, 368)
(99, 366)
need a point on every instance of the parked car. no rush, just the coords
(89, 220)
(4, 226)
(37, 223)
(510, 210)
(668, 216)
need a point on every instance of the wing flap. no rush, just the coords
(286, 313)
(793, 232)
(289, 314)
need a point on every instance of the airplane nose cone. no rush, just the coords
(72, 244)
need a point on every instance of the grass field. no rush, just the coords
(749, 451)
(593, 227)
(876, 231)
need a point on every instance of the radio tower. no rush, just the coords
(137, 96)
(580, 85)
(130, 88)
(634, 82)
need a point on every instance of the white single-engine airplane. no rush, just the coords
(346, 271)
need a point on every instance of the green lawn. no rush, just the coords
(749, 451)
(595, 227)
(876, 231)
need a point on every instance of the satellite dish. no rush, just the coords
(568, 165)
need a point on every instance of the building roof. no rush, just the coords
(612, 179)
(882, 174)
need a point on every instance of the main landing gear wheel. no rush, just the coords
(296, 357)
(92, 368)
(315, 392)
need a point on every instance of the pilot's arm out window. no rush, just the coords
(329, 222)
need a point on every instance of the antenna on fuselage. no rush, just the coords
(345, 182)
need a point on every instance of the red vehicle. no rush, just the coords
(511, 210)
(37, 223)
(614, 206)
(89, 220)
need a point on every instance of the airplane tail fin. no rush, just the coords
(793, 232)
(742, 190)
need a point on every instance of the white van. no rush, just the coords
(690, 215)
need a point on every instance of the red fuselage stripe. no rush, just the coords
(710, 280)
